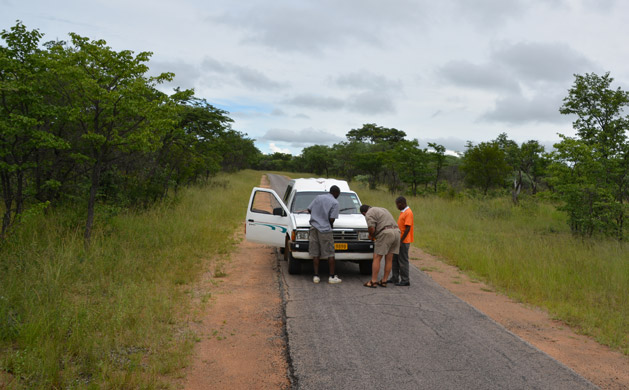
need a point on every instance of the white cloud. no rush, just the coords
(301, 137)
(318, 102)
(454, 69)
(186, 75)
(370, 103)
(517, 109)
(365, 80)
(542, 61)
(276, 149)
(316, 25)
(245, 76)
(486, 76)
(363, 102)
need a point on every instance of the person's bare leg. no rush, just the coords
(375, 267)
(331, 265)
(388, 264)
(315, 265)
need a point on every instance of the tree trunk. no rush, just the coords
(91, 203)
(517, 187)
(437, 177)
(7, 194)
(19, 193)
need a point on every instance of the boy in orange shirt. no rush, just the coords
(400, 270)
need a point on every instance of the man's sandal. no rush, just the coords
(382, 283)
(371, 284)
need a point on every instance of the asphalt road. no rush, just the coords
(346, 336)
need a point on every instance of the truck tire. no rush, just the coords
(294, 265)
(286, 248)
(365, 267)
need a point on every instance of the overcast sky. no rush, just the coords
(293, 73)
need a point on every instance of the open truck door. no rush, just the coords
(267, 218)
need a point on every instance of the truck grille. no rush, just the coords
(345, 235)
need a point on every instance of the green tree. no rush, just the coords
(342, 158)
(574, 170)
(438, 157)
(80, 122)
(485, 165)
(279, 162)
(526, 162)
(374, 134)
(591, 170)
(370, 158)
(533, 163)
(412, 163)
(116, 108)
(316, 159)
(25, 116)
(189, 144)
(238, 151)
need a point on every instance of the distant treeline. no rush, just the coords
(382, 156)
(83, 124)
(587, 175)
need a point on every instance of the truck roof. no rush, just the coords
(319, 184)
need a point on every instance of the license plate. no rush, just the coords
(342, 246)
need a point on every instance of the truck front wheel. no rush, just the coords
(294, 265)
(365, 267)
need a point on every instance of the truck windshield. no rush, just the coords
(348, 202)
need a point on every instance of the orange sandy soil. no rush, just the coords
(241, 335)
(241, 331)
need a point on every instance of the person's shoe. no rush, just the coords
(392, 281)
(403, 284)
(334, 279)
(316, 279)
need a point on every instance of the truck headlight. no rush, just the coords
(363, 235)
(301, 236)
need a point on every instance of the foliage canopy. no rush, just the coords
(83, 123)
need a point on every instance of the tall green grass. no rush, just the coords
(112, 316)
(528, 252)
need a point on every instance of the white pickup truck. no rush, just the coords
(283, 223)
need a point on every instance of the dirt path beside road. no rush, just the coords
(241, 344)
(241, 333)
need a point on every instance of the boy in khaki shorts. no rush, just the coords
(384, 229)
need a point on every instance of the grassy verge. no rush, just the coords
(111, 316)
(528, 253)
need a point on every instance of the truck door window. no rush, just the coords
(264, 203)
(287, 193)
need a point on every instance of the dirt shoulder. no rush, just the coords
(240, 333)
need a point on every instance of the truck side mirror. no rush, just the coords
(278, 211)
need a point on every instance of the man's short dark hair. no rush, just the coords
(364, 208)
(335, 190)
(400, 199)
